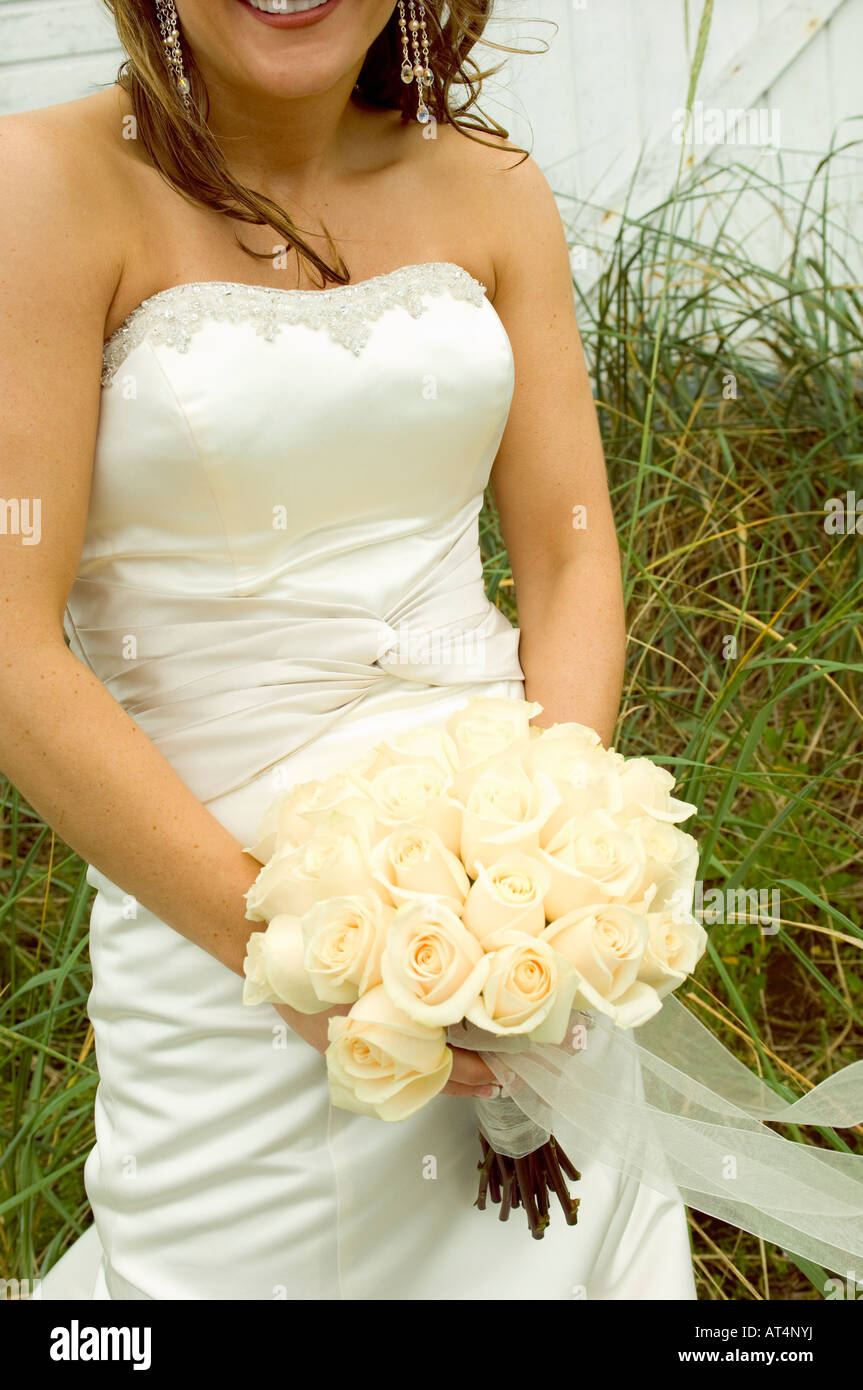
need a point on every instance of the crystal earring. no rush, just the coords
(169, 25)
(415, 35)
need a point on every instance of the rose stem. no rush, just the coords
(539, 1180)
(483, 1166)
(567, 1201)
(565, 1163)
(505, 1190)
(537, 1227)
(514, 1189)
(493, 1180)
(514, 1194)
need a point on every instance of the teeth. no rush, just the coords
(285, 6)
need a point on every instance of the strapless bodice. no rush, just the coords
(283, 513)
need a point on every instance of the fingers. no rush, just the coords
(470, 1076)
(469, 1069)
(454, 1088)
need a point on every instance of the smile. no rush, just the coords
(289, 14)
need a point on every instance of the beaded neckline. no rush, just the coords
(345, 312)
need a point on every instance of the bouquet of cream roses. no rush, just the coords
(482, 872)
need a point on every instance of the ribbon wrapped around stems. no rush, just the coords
(669, 1105)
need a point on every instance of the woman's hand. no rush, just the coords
(469, 1076)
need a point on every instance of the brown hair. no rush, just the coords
(183, 149)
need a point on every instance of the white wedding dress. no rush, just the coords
(280, 569)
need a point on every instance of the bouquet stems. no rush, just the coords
(528, 1183)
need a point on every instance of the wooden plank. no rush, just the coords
(29, 86)
(610, 129)
(741, 84)
(578, 120)
(53, 31)
(509, 97)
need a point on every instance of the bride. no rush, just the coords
(273, 306)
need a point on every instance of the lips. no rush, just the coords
(285, 6)
(289, 14)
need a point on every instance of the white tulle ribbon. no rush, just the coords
(507, 1128)
(669, 1105)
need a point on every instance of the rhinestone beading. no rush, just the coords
(345, 312)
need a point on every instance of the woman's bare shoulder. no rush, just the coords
(66, 182)
(86, 133)
(499, 195)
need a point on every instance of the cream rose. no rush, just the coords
(509, 893)
(607, 944)
(674, 948)
(274, 968)
(486, 727)
(530, 989)
(432, 967)
(585, 777)
(504, 812)
(589, 860)
(332, 863)
(344, 941)
(671, 862)
(429, 743)
(380, 1062)
(645, 790)
(415, 863)
(562, 749)
(415, 792)
(290, 820)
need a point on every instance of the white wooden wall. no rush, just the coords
(618, 69)
(604, 93)
(53, 51)
(607, 92)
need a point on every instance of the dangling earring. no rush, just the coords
(418, 68)
(166, 17)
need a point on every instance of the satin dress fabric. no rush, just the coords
(281, 569)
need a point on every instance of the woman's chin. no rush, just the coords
(301, 53)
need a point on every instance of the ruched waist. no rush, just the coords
(228, 686)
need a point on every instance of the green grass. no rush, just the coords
(744, 618)
(48, 1078)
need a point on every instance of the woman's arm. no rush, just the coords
(549, 478)
(80, 760)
